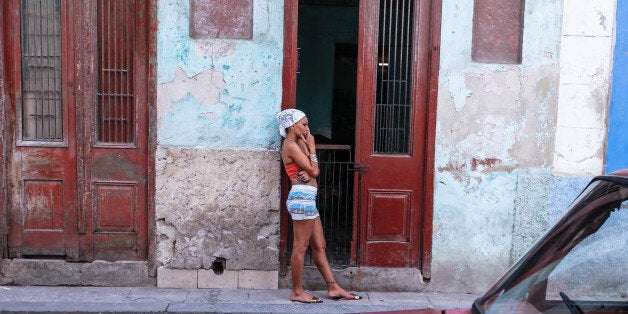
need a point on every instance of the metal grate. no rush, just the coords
(335, 203)
(116, 32)
(42, 118)
(393, 102)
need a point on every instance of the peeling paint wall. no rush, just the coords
(506, 159)
(218, 93)
(494, 122)
(515, 144)
(217, 165)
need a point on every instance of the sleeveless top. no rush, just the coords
(292, 169)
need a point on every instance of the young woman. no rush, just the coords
(298, 154)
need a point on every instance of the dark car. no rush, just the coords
(579, 266)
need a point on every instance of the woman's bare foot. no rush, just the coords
(334, 291)
(304, 297)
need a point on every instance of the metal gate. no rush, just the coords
(335, 204)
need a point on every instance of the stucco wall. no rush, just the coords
(217, 166)
(494, 122)
(515, 143)
(498, 151)
(218, 93)
(585, 69)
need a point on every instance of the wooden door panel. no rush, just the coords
(389, 211)
(115, 207)
(43, 205)
(119, 218)
(44, 232)
(43, 202)
(390, 129)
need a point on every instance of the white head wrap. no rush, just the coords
(288, 118)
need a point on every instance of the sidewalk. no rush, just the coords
(148, 299)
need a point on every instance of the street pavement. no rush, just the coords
(61, 299)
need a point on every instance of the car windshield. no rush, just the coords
(579, 266)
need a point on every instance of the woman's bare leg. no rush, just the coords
(320, 258)
(302, 231)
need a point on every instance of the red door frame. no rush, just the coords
(152, 135)
(289, 101)
(4, 231)
(151, 96)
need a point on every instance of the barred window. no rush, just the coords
(116, 110)
(42, 118)
(394, 71)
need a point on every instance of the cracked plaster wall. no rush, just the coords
(494, 123)
(217, 169)
(218, 93)
(217, 203)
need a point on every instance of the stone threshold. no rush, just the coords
(363, 279)
(353, 278)
(27, 272)
(42, 272)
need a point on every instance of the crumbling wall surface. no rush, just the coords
(217, 204)
(219, 92)
(217, 169)
(494, 123)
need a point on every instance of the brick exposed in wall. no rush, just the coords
(224, 19)
(497, 31)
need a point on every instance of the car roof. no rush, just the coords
(621, 173)
(532, 256)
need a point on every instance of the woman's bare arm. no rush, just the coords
(299, 153)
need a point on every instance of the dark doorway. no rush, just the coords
(344, 94)
(326, 92)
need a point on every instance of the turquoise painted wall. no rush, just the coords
(320, 28)
(494, 123)
(219, 93)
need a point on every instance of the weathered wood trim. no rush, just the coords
(3, 168)
(432, 104)
(289, 97)
(152, 136)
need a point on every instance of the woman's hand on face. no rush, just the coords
(303, 144)
(309, 141)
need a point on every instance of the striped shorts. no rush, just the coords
(301, 202)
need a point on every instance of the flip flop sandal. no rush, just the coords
(353, 297)
(311, 301)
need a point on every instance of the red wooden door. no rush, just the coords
(114, 219)
(78, 117)
(42, 175)
(393, 68)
